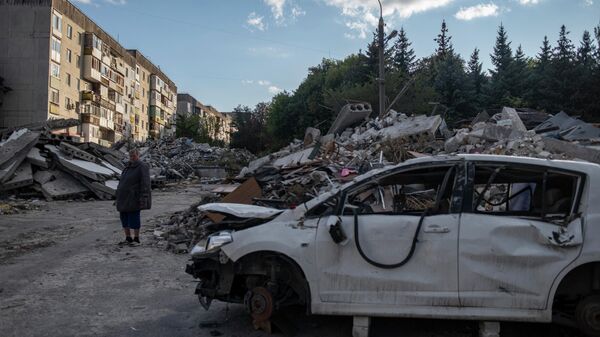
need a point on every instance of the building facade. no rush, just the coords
(60, 64)
(218, 124)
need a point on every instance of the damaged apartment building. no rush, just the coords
(219, 124)
(60, 64)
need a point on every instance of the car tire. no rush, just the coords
(587, 315)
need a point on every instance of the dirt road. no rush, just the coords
(62, 274)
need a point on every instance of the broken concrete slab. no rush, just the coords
(572, 150)
(410, 129)
(63, 186)
(349, 115)
(76, 152)
(42, 177)
(22, 177)
(14, 150)
(35, 158)
(294, 159)
(85, 168)
(311, 136)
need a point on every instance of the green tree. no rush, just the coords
(563, 73)
(403, 55)
(585, 100)
(501, 83)
(539, 93)
(443, 41)
(251, 130)
(476, 81)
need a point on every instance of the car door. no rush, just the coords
(377, 266)
(519, 228)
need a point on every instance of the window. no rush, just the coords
(54, 70)
(69, 31)
(69, 55)
(54, 96)
(55, 49)
(56, 22)
(79, 38)
(78, 85)
(527, 191)
(78, 61)
(408, 192)
(96, 64)
(68, 79)
(67, 103)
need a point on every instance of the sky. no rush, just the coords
(230, 52)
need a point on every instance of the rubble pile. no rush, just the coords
(181, 158)
(35, 161)
(356, 144)
(307, 168)
(183, 228)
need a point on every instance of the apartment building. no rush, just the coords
(60, 64)
(218, 124)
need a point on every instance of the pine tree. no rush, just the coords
(538, 94)
(443, 40)
(563, 73)
(584, 98)
(501, 84)
(372, 54)
(519, 78)
(476, 81)
(404, 55)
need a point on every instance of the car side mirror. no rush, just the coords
(336, 231)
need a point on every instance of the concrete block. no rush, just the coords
(211, 172)
(350, 114)
(82, 167)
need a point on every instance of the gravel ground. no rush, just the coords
(62, 274)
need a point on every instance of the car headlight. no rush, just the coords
(211, 243)
(217, 240)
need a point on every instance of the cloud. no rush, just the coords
(276, 9)
(529, 2)
(274, 90)
(477, 11)
(116, 2)
(85, 2)
(256, 21)
(363, 16)
(588, 2)
(284, 11)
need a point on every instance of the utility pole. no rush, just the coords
(381, 78)
(381, 41)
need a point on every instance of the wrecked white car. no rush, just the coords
(491, 238)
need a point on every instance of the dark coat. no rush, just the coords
(133, 192)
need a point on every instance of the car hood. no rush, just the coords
(241, 210)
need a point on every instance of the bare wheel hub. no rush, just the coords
(259, 303)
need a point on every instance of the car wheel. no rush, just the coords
(587, 314)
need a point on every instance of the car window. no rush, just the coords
(528, 191)
(407, 192)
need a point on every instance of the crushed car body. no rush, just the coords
(484, 237)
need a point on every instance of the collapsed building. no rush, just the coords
(36, 162)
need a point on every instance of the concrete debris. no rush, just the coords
(40, 163)
(309, 167)
(182, 158)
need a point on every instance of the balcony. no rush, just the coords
(90, 96)
(90, 119)
(90, 72)
(107, 104)
(92, 45)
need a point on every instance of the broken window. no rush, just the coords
(528, 191)
(408, 192)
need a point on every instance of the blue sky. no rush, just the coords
(230, 52)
